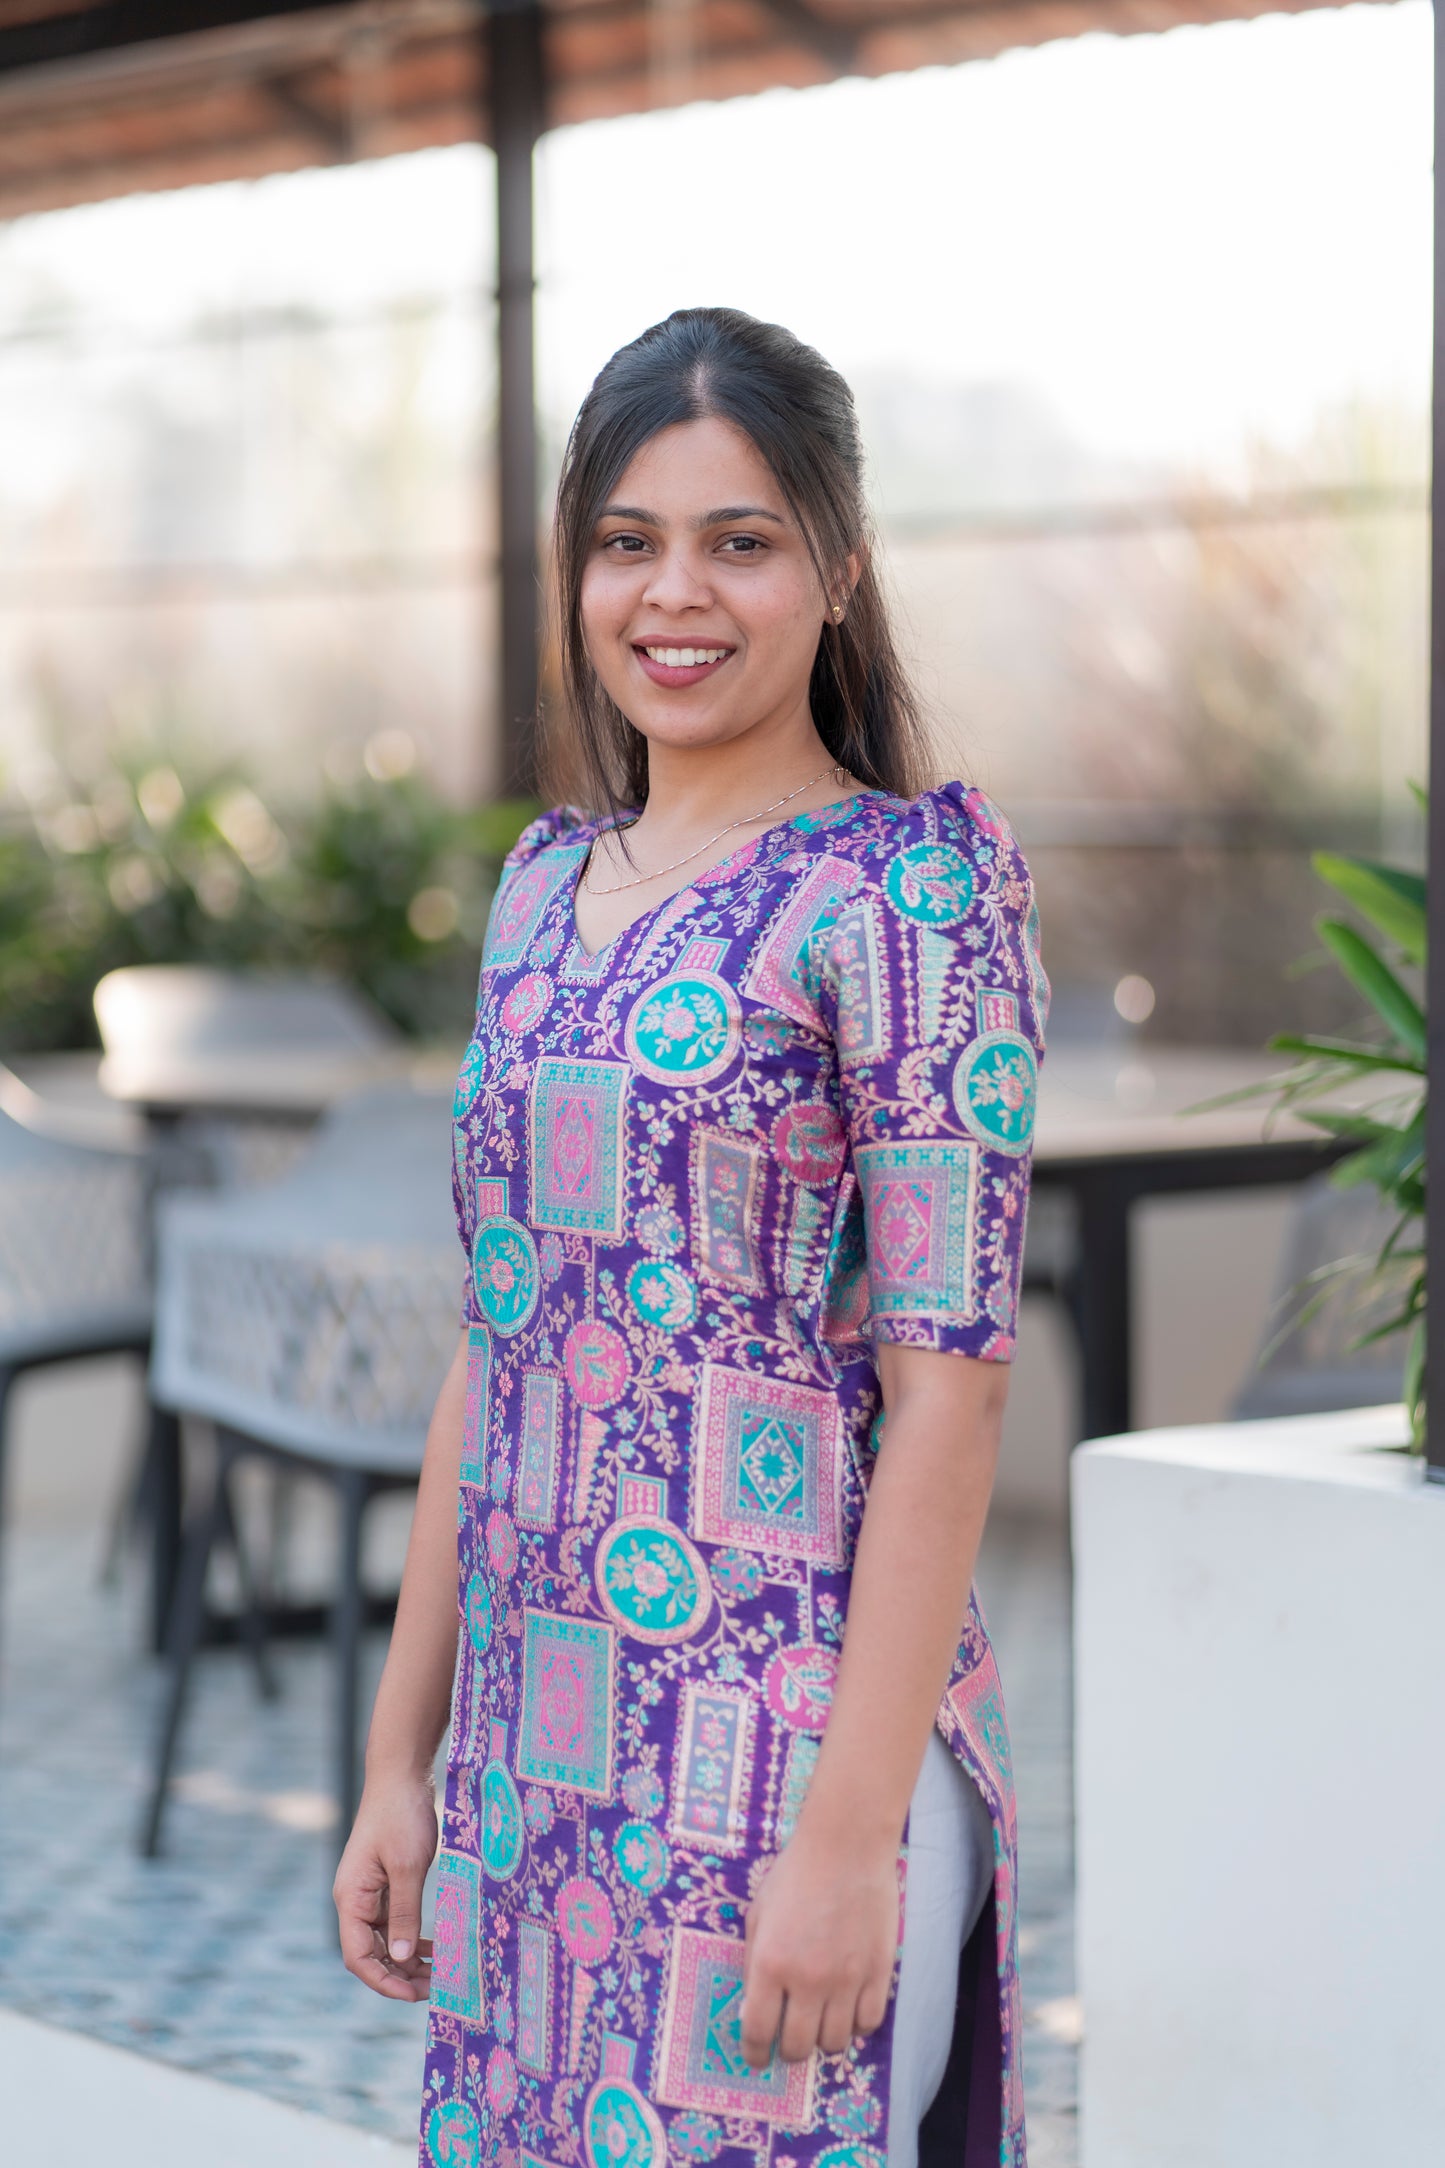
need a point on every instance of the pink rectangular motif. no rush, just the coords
(700, 2062)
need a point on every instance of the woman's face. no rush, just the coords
(701, 610)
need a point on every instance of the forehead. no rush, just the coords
(694, 467)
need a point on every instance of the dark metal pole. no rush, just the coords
(1435, 855)
(517, 84)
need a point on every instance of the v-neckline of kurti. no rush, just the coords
(747, 853)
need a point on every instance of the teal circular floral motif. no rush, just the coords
(651, 1580)
(932, 883)
(506, 1276)
(642, 1857)
(685, 1029)
(453, 2135)
(620, 2128)
(851, 2156)
(479, 1613)
(995, 1089)
(662, 1294)
(694, 2136)
(468, 1078)
(501, 1820)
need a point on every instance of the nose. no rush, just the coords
(677, 583)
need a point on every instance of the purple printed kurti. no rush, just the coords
(698, 1175)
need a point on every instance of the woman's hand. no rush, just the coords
(378, 1887)
(822, 1935)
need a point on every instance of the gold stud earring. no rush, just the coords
(838, 611)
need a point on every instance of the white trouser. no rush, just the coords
(950, 1870)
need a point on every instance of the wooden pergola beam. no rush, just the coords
(835, 42)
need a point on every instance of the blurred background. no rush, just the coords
(1139, 327)
(1139, 332)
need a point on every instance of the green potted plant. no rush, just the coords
(1329, 1088)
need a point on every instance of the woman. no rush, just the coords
(742, 1164)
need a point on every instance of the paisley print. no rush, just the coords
(699, 1177)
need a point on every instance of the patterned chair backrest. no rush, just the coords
(72, 1261)
(320, 1312)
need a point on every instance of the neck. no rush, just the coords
(690, 788)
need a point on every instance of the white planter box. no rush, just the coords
(1260, 1789)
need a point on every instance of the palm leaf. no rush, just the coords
(1398, 1010)
(1390, 898)
(1343, 1050)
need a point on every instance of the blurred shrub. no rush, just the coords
(378, 881)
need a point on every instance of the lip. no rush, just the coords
(662, 673)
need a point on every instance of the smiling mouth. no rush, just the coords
(676, 668)
(685, 658)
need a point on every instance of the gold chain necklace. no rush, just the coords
(835, 768)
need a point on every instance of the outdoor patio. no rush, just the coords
(220, 1957)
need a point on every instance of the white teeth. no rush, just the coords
(685, 658)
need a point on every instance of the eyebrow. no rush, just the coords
(717, 518)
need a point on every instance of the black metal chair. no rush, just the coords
(307, 1326)
(73, 1282)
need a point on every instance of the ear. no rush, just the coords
(844, 585)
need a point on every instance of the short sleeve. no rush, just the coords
(934, 990)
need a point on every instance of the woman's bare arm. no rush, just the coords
(822, 1931)
(379, 1881)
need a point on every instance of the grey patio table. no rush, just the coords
(1110, 1131)
(286, 1086)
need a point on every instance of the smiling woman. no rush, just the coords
(742, 1164)
(759, 508)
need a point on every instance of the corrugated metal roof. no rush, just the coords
(101, 101)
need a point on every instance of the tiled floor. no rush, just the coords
(220, 1957)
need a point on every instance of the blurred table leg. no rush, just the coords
(164, 1504)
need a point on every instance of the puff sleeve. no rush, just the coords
(934, 989)
(545, 857)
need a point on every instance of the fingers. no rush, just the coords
(802, 2017)
(361, 1895)
(762, 2014)
(363, 1951)
(873, 2002)
(837, 2023)
(403, 1908)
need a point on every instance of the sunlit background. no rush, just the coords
(1139, 331)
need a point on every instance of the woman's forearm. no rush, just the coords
(413, 1700)
(911, 1579)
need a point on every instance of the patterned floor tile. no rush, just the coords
(220, 1957)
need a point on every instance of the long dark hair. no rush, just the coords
(720, 363)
